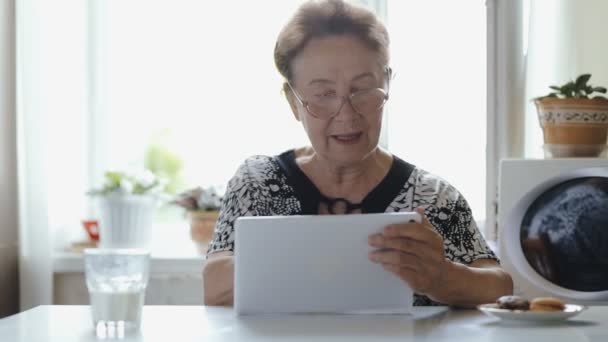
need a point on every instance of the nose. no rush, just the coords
(346, 111)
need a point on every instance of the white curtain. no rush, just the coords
(8, 163)
(51, 110)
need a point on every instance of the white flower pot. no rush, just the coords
(125, 221)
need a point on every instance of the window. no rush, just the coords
(194, 84)
(195, 78)
(101, 83)
(437, 109)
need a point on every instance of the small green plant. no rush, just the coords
(143, 183)
(578, 89)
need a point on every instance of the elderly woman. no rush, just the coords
(334, 58)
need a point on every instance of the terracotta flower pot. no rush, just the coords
(573, 127)
(202, 225)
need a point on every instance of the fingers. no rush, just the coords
(412, 251)
(419, 239)
(424, 220)
(411, 277)
(422, 231)
(396, 258)
(411, 232)
(406, 230)
(421, 278)
(400, 244)
(402, 272)
(421, 212)
(420, 269)
(409, 253)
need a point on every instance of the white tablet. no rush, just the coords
(315, 264)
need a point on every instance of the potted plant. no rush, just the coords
(127, 203)
(202, 208)
(574, 119)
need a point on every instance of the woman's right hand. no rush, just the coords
(218, 279)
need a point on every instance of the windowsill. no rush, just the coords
(172, 252)
(171, 249)
(70, 262)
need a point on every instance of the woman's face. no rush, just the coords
(331, 68)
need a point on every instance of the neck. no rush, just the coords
(351, 181)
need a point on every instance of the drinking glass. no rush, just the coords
(116, 280)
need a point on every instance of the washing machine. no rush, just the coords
(553, 227)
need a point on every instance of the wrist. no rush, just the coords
(466, 286)
(444, 289)
(218, 280)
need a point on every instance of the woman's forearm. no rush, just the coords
(468, 286)
(218, 279)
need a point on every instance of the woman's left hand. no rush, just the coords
(414, 252)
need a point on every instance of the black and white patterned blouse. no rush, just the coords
(276, 186)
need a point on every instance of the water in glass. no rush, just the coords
(117, 280)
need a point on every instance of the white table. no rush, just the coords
(198, 323)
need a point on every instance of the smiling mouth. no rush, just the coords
(347, 138)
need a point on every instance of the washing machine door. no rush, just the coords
(563, 234)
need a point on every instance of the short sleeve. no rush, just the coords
(453, 219)
(237, 202)
(450, 214)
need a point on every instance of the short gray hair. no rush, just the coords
(321, 18)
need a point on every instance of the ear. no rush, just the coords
(293, 103)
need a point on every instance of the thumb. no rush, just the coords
(423, 219)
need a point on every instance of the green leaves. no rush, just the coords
(576, 89)
(114, 178)
(581, 81)
(569, 89)
(600, 90)
(141, 183)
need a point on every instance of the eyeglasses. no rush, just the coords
(325, 106)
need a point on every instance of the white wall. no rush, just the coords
(69, 288)
(8, 163)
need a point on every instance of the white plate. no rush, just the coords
(519, 315)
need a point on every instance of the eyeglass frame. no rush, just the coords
(387, 70)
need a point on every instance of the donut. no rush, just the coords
(547, 304)
(513, 303)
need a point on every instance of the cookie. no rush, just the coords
(513, 303)
(547, 304)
